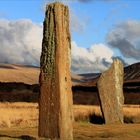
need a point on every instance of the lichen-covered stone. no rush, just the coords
(55, 101)
(110, 87)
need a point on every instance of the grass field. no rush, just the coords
(82, 131)
(26, 114)
(20, 121)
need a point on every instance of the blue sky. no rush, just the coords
(95, 21)
(98, 16)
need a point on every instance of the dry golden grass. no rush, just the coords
(20, 121)
(132, 113)
(83, 112)
(26, 114)
(82, 131)
(18, 114)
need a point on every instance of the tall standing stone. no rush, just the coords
(55, 101)
(110, 87)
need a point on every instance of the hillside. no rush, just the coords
(30, 74)
(132, 73)
(19, 73)
(20, 83)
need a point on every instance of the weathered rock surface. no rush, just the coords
(55, 101)
(110, 87)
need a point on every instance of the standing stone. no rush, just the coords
(55, 101)
(110, 87)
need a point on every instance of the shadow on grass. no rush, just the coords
(96, 119)
(92, 118)
(23, 137)
(129, 119)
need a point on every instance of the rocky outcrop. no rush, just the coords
(110, 87)
(55, 101)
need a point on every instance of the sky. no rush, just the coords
(101, 30)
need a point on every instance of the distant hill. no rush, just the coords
(19, 73)
(20, 83)
(30, 74)
(132, 73)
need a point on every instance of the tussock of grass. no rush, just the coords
(132, 113)
(86, 113)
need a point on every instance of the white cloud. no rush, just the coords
(94, 59)
(20, 42)
(125, 36)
